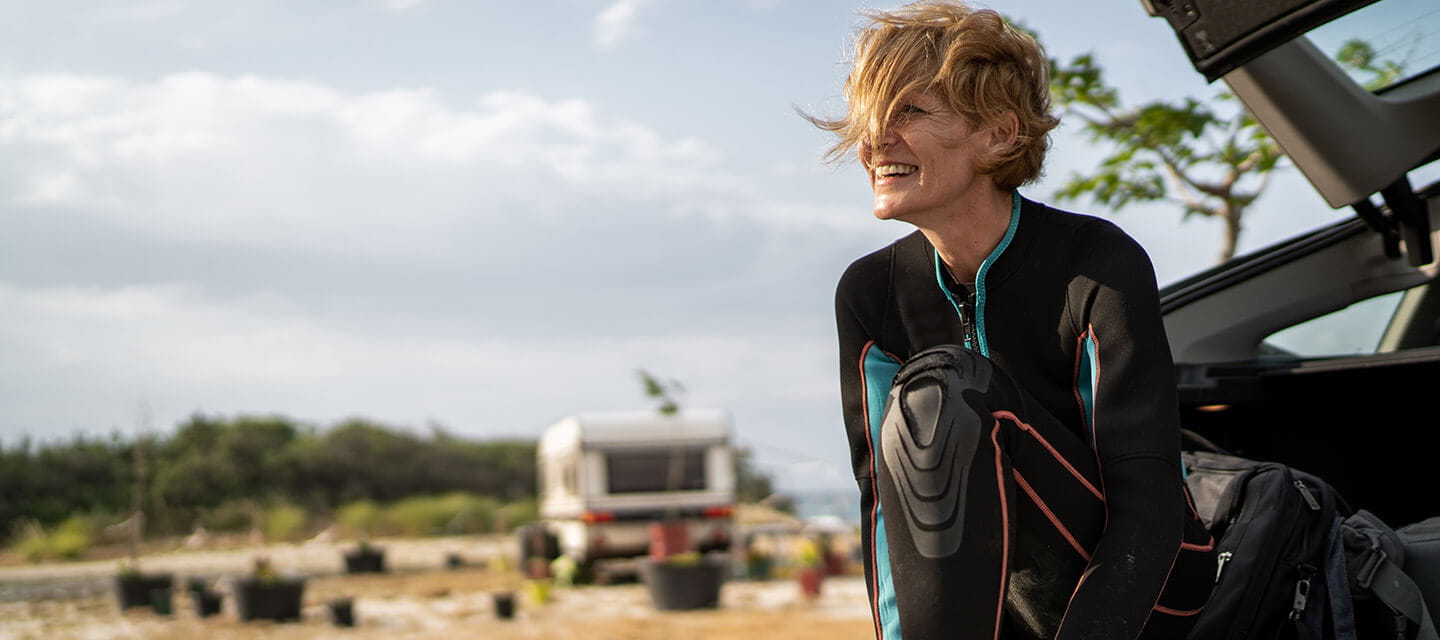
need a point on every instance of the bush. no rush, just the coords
(285, 522)
(516, 514)
(360, 519)
(31, 541)
(67, 541)
(232, 516)
(451, 513)
(73, 537)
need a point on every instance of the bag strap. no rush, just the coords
(1342, 609)
(1390, 583)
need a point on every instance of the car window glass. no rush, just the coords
(1426, 175)
(655, 470)
(1354, 330)
(1404, 36)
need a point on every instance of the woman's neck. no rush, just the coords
(966, 239)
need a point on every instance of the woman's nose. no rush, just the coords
(868, 147)
(888, 138)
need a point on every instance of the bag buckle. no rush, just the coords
(1374, 557)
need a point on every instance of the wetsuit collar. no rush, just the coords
(983, 345)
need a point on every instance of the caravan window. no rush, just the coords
(650, 470)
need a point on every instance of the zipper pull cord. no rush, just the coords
(1309, 497)
(1302, 592)
(967, 318)
(1223, 558)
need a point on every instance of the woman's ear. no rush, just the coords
(1004, 130)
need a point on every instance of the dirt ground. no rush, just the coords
(420, 599)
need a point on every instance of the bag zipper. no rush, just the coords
(1302, 591)
(1309, 497)
(1220, 561)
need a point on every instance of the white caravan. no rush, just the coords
(604, 477)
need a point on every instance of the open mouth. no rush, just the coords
(895, 170)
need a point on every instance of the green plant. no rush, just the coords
(67, 541)
(807, 553)
(285, 522)
(233, 515)
(72, 538)
(516, 513)
(664, 391)
(451, 513)
(262, 570)
(361, 518)
(31, 541)
(687, 559)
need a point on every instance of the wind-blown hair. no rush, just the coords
(973, 60)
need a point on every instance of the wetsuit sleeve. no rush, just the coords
(1133, 420)
(853, 296)
(855, 339)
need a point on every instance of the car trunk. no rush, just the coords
(1358, 422)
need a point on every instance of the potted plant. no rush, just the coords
(683, 581)
(266, 595)
(504, 602)
(759, 559)
(809, 567)
(206, 601)
(677, 577)
(342, 611)
(365, 558)
(136, 589)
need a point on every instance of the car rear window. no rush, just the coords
(1403, 37)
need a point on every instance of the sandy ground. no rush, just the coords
(419, 598)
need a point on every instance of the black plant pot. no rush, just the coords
(682, 586)
(195, 584)
(342, 612)
(504, 604)
(277, 599)
(207, 602)
(134, 590)
(454, 561)
(162, 601)
(365, 561)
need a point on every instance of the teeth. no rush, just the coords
(886, 170)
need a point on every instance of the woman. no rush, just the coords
(1008, 389)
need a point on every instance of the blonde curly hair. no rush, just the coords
(981, 66)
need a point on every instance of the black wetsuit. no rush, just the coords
(985, 530)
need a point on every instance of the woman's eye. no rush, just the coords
(912, 110)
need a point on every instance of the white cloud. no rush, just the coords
(264, 162)
(401, 5)
(267, 162)
(617, 22)
(184, 350)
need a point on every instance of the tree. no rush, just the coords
(751, 483)
(663, 391)
(1213, 163)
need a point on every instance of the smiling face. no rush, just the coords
(924, 165)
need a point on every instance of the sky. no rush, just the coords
(479, 215)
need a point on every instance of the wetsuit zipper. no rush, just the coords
(967, 320)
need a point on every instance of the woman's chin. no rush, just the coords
(887, 210)
(889, 213)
